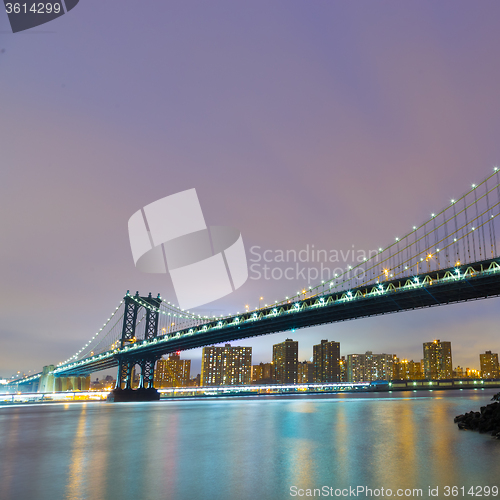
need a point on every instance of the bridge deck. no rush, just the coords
(447, 286)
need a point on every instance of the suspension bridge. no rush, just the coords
(451, 257)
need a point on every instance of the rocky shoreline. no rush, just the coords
(485, 420)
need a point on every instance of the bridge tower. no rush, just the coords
(123, 390)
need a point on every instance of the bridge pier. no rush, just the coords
(123, 390)
(130, 395)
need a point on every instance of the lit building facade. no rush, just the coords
(343, 369)
(407, 370)
(489, 365)
(285, 362)
(305, 372)
(369, 367)
(263, 372)
(226, 365)
(437, 360)
(326, 359)
(172, 372)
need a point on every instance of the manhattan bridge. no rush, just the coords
(451, 257)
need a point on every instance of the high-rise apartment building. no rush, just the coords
(437, 360)
(489, 365)
(172, 372)
(326, 359)
(285, 362)
(369, 367)
(226, 365)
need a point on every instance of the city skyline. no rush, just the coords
(196, 364)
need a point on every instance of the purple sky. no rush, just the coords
(301, 123)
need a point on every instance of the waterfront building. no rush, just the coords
(407, 370)
(172, 372)
(415, 370)
(343, 369)
(489, 365)
(105, 384)
(134, 378)
(326, 359)
(305, 372)
(226, 365)
(437, 360)
(285, 362)
(400, 369)
(369, 367)
(263, 373)
(472, 373)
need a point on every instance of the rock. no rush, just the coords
(485, 421)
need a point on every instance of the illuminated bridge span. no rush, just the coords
(452, 257)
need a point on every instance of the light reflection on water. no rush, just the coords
(242, 448)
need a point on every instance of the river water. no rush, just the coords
(254, 448)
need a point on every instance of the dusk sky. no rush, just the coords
(322, 123)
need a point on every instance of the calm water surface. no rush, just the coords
(242, 448)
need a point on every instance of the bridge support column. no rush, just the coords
(124, 376)
(147, 373)
(123, 390)
(128, 379)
